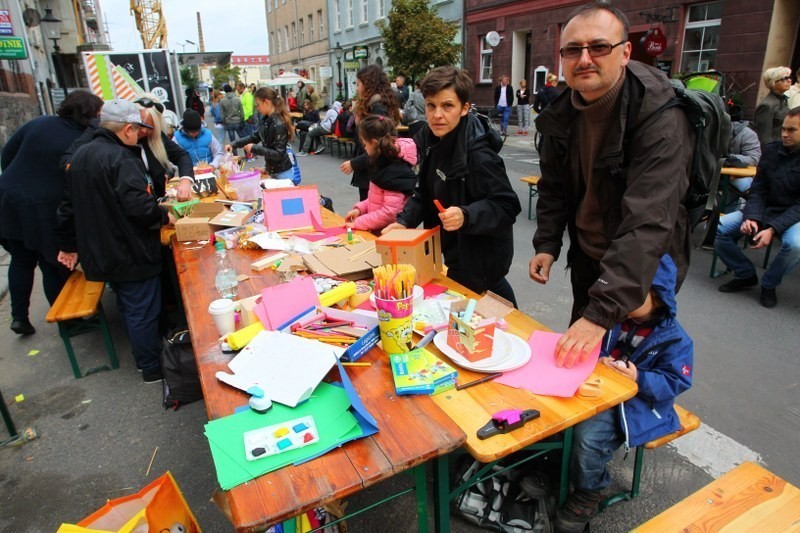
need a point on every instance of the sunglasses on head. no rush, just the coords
(148, 103)
(595, 50)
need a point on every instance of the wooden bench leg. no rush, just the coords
(72, 328)
(533, 192)
(638, 464)
(64, 331)
(112, 353)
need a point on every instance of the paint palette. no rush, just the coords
(279, 438)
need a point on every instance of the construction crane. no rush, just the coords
(150, 22)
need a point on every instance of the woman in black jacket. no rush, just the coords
(31, 188)
(461, 168)
(375, 97)
(272, 136)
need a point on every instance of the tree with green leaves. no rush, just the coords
(189, 77)
(417, 39)
(225, 74)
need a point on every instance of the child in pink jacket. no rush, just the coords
(392, 179)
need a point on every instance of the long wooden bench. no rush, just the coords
(689, 422)
(533, 192)
(78, 310)
(748, 498)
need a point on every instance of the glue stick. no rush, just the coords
(350, 235)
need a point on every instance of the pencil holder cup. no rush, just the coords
(394, 324)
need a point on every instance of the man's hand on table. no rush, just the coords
(185, 189)
(393, 225)
(539, 268)
(68, 259)
(346, 167)
(575, 345)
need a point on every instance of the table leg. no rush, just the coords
(441, 494)
(566, 451)
(724, 182)
(421, 493)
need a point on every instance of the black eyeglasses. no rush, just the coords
(786, 78)
(595, 50)
(148, 103)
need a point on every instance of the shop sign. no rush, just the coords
(655, 43)
(360, 52)
(5, 23)
(12, 48)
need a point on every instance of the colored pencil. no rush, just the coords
(478, 381)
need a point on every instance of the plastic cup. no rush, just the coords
(224, 313)
(394, 324)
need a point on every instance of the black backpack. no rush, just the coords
(709, 120)
(181, 380)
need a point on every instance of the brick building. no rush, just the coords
(740, 38)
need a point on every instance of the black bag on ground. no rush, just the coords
(178, 365)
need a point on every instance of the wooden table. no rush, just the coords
(748, 498)
(413, 430)
(725, 175)
(473, 407)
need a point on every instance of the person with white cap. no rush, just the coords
(111, 220)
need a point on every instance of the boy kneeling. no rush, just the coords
(651, 348)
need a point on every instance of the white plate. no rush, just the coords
(508, 353)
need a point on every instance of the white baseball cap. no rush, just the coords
(122, 111)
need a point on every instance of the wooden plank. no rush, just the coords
(78, 299)
(748, 498)
(530, 180)
(689, 422)
(473, 407)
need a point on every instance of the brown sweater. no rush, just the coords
(594, 122)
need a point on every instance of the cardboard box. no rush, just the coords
(246, 314)
(351, 262)
(418, 247)
(475, 340)
(421, 372)
(231, 219)
(194, 226)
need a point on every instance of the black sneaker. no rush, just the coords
(768, 298)
(22, 327)
(580, 507)
(319, 150)
(153, 376)
(737, 285)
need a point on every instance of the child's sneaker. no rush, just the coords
(301, 154)
(580, 507)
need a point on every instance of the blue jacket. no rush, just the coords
(204, 147)
(664, 362)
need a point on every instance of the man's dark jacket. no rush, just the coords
(644, 217)
(108, 215)
(774, 198)
(463, 169)
(509, 95)
(269, 141)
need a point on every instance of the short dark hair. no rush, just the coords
(794, 112)
(227, 88)
(447, 77)
(80, 107)
(595, 7)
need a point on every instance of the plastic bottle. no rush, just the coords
(226, 279)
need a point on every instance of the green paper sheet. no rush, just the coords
(329, 405)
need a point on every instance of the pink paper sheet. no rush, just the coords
(541, 376)
(432, 290)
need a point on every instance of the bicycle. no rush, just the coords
(492, 118)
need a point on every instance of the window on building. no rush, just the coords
(364, 11)
(486, 61)
(321, 24)
(311, 28)
(701, 36)
(294, 35)
(381, 8)
(337, 16)
(272, 47)
(351, 20)
(302, 24)
(286, 37)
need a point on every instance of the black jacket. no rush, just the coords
(509, 95)
(109, 215)
(543, 97)
(464, 169)
(360, 160)
(774, 199)
(643, 215)
(270, 141)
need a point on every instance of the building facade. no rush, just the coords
(353, 29)
(740, 38)
(298, 41)
(254, 69)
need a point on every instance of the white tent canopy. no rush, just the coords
(287, 79)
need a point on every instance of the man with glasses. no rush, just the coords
(613, 173)
(111, 221)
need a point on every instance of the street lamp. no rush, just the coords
(184, 43)
(52, 29)
(337, 52)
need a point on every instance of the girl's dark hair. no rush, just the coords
(375, 81)
(277, 101)
(381, 129)
(80, 107)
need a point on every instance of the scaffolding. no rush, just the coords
(150, 22)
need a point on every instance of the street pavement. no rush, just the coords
(106, 435)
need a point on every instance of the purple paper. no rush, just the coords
(541, 376)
